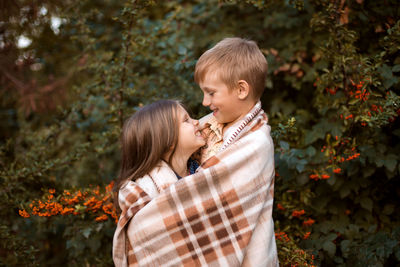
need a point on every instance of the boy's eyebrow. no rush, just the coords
(206, 89)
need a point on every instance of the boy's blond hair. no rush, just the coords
(235, 59)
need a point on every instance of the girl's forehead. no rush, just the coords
(182, 111)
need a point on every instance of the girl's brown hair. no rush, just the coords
(147, 136)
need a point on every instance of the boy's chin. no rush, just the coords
(220, 120)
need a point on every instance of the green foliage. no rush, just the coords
(332, 97)
(15, 250)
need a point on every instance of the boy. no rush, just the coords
(232, 77)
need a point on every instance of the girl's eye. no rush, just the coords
(211, 94)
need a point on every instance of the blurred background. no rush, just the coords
(72, 71)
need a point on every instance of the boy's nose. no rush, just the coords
(195, 122)
(206, 101)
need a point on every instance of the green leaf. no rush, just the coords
(354, 101)
(388, 79)
(368, 171)
(344, 191)
(372, 229)
(388, 209)
(344, 246)
(94, 244)
(86, 232)
(366, 203)
(182, 50)
(329, 247)
(302, 179)
(396, 68)
(311, 151)
(385, 71)
(390, 162)
(331, 237)
(332, 180)
(379, 162)
(284, 145)
(300, 165)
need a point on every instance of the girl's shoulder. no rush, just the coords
(158, 179)
(148, 186)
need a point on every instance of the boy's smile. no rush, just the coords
(225, 103)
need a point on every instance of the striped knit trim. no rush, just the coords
(239, 130)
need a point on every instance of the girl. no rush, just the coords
(157, 142)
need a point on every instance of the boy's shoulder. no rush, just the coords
(254, 126)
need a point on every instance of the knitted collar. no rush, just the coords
(236, 130)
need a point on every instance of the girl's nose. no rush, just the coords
(195, 122)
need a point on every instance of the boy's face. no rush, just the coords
(224, 103)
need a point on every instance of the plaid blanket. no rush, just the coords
(219, 216)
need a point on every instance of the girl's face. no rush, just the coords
(190, 138)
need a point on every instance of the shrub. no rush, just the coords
(331, 96)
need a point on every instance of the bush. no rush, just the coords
(331, 96)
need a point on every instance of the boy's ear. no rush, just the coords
(243, 89)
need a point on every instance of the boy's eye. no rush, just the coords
(211, 93)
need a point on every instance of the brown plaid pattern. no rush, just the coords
(220, 216)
